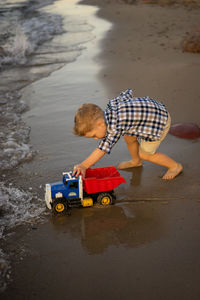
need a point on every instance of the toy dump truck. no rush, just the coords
(97, 186)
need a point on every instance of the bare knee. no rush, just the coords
(145, 156)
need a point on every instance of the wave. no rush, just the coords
(17, 206)
(23, 35)
(29, 51)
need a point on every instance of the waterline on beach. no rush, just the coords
(36, 40)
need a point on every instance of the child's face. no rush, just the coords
(98, 132)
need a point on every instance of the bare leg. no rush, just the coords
(158, 158)
(133, 148)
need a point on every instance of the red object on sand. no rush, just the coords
(185, 130)
(102, 179)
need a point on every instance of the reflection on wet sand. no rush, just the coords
(136, 176)
(127, 225)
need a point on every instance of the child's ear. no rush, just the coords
(100, 122)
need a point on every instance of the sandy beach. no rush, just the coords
(147, 245)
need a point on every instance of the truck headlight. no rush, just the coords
(58, 195)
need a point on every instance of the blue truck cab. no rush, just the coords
(70, 188)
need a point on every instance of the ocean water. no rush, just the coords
(28, 52)
(30, 49)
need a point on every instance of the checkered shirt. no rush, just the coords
(142, 117)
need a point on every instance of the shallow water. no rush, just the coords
(29, 52)
(31, 49)
(36, 38)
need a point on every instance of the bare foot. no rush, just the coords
(173, 172)
(129, 164)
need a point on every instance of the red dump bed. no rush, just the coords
(101, 179)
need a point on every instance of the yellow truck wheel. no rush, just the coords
(105, 199)
(59, 206)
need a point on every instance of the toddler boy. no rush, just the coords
(142, 121)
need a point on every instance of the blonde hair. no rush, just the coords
(86, 117)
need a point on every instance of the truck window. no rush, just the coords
(73, 185)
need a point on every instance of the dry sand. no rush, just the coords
(133, 250)
(143, 51)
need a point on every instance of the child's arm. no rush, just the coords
(94, 157)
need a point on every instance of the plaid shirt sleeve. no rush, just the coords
(109, 141)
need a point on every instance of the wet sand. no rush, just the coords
(146, 245)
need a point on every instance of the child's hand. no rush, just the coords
(79, 170)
